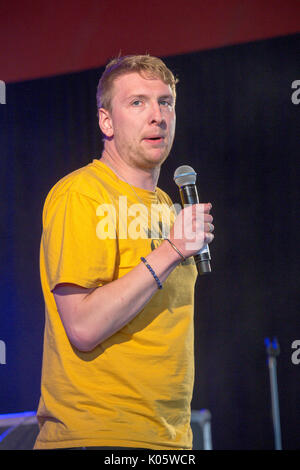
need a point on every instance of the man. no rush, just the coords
(118, 349)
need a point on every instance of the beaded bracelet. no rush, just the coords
(152, 272)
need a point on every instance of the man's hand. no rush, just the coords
(192, 229)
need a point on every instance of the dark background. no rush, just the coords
(237, 126)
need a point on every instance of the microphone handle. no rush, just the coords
(189, 195)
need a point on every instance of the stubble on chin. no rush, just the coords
(137, 157)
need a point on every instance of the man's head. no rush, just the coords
(146, 65)
(136, 104)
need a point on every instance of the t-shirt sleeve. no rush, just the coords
(72, 249)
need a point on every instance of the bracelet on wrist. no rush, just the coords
(176, 249)
(159, 284)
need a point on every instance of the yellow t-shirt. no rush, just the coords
(135, 388)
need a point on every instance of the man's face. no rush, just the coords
(142, 120)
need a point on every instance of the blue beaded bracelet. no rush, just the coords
(159, 284)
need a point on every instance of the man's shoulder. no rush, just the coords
(88, 181)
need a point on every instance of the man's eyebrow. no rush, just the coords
(136, 96)
(141, 96)
(167, 97)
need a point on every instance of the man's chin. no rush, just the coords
(155, 159)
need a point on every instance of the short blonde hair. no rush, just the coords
(145, 65)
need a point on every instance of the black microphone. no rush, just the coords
(185, 178)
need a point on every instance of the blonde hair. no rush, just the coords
(145, 65)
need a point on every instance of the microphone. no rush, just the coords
(185, 178)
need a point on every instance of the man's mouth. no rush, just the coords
(154, 139)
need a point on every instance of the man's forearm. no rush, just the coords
(92, 317)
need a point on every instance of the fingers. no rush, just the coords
(209, 228)
(207, 207)
(208, 225)
(201, 212)
(200, 216)
(193, 228)
(204, 207)
(208, 237)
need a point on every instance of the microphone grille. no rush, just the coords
(184, 175)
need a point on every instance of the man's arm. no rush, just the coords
(90, 316)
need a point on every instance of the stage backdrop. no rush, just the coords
(40, 39)
(238, 126)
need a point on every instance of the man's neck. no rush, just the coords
(138, 177)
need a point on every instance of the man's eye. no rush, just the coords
(166, 103)
(136, 103)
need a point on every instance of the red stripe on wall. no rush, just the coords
(44, 38)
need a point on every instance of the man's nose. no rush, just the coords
(156, 115)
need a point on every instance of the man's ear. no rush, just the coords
(105, 122)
